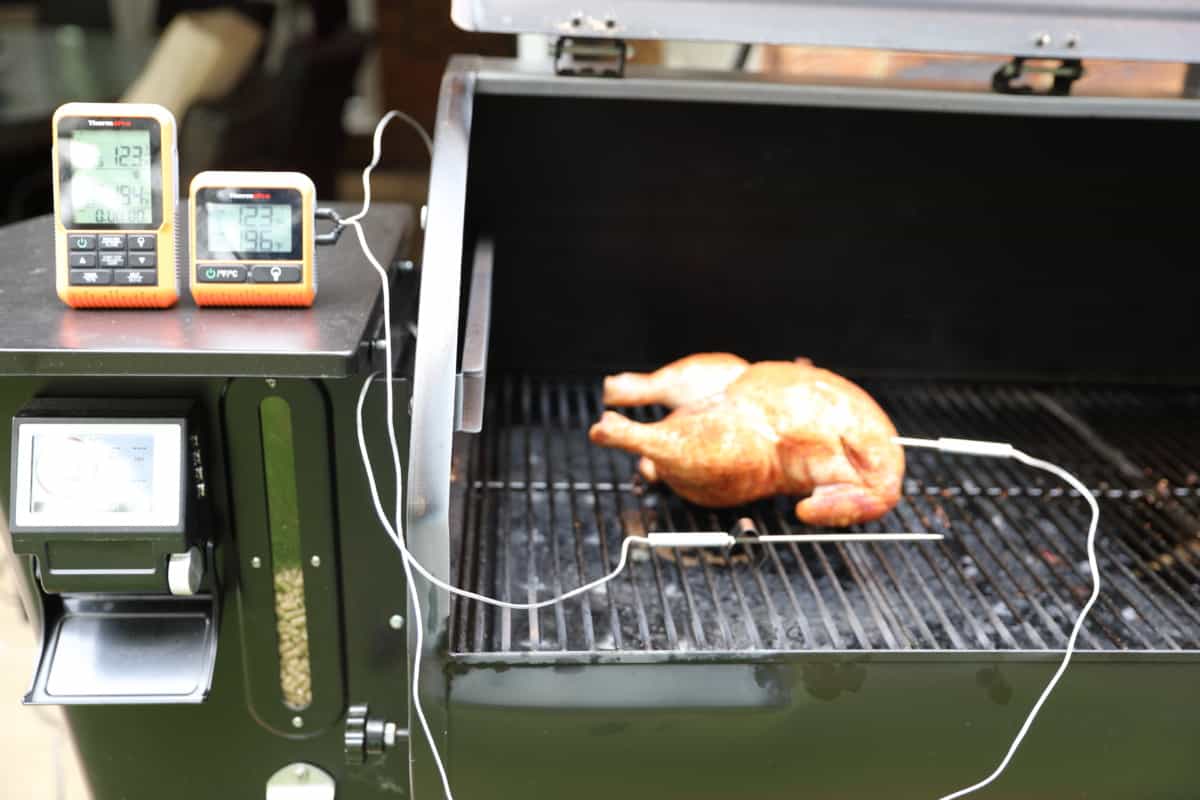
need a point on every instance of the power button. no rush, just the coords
(221, 273)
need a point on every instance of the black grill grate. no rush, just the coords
(545, 511)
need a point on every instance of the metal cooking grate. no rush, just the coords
(546, 511)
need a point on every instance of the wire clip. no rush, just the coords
(332, 236)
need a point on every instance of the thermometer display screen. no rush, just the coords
(249, 228)
(111, 177)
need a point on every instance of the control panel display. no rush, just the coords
(252, 228)
(94, 474)
(110, 177)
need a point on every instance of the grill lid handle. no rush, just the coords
(472, 379)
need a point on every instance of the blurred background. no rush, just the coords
(299, 85)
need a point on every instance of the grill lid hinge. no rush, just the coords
(1065, 73)
(581, 56)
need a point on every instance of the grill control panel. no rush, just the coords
(107, 501)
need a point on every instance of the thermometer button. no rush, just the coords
(135, 277)
(91, 277)
(263, 273)
(141, 241)
(221, 273)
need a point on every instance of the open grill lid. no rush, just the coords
(1159, 30)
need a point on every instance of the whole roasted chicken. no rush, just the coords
(742, 431)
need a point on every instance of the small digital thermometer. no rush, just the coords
(252, 239)
(115, 192)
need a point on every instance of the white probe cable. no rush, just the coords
(1000, 450)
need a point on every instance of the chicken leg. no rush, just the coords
(683, 382)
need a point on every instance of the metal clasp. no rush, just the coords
(1066, 72)
(584, 56)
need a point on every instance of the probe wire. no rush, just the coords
(999, 450)
(395, 531)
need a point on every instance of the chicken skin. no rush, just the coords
(775, 427)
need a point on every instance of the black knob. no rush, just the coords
(355, 738)
(366, 736)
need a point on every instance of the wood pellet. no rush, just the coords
(295, 672)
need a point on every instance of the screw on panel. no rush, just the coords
(315, 561)
(271, 383)
(301, 771)
(1042, 40)
(395, 622)
(1072, 40)
(256, 562)
(577, 20)
(297, 722)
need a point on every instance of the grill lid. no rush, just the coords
(1161, 30)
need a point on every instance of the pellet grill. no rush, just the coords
(989, 265)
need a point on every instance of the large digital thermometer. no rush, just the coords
(252, 239)
(115, 189)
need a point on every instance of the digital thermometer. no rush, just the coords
(252, 239)
(115, 187)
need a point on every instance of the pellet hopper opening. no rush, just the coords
(545, 511)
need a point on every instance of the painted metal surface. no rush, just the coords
(823, 726)
(39, 335)
(223, 747)
(1167, 30)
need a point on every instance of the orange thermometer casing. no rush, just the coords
(116, 176)
(252, 239)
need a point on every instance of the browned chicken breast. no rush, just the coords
(775, 427)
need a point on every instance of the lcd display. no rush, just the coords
(84, 473)
(249, 227)
(110, 177)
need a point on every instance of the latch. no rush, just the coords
(1065, 73)
(584, 56)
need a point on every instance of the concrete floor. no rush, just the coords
(37, 758)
